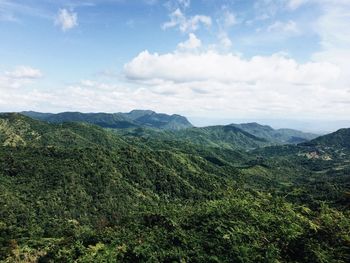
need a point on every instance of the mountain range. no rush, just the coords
(80, 190)
(135, 118)
(247, 135)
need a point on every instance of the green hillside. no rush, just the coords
(146, 123)
(163, 121)
(339, 139)
(213, 136)
(280, 136)
(19, 130)
(75, 192)
(135, 118)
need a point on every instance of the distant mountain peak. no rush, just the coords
(255, 125)
(280, 136)
(132, 119)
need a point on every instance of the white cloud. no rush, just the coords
(190, 24)
(192, 43)
(229, 19)
(24, 72)
(333, 30)
(225, 22)
(214, 84)
(295, 4)
(285, 27)
(210, 65)
(210, 83)
(333, 25)
(14, 90)
(224, 39)
(66, 19)
(18, 78)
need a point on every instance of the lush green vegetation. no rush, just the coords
(214, 136)
(281, 136)
(147, 123)
(135, 118)
(75, 192)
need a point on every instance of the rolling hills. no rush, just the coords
(339, 139)
(280, 136)
(251, 134)
(76, 192)
(135, 118)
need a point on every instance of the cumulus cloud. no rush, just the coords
(211, 65)
(214, 84)
(14, 92)
(18, 78)
(66, 19)
(192, 43)
(186, 24)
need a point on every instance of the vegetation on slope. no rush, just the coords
(135, 118)
(280, 136)
(228, 137)
(97, 196)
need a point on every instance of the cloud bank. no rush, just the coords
(213, 66)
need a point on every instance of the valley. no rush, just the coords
(91, 189)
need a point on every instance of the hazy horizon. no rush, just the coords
(306, 125)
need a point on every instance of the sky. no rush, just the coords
(214, 61)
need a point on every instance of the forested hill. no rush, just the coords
(339, 139)
(75, 192)
(212, 136)
(135, 118)
(281, 136)
(18, 130)
(245, 135)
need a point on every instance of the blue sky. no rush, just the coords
(206, 59)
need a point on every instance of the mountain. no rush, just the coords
(140, 123)
(136, 118)
(338, 140)
(36, 115)
(246, 135)
(220, 136)
(280, 136)
(75, 192)
(18, 130)
(158, 120)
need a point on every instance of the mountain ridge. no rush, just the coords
(135, 118)
(76, 192)
(175, 122)
(281, 136)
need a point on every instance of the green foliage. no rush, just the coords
(78, 193)
(134, 118)
(338, 139)
(280, 136)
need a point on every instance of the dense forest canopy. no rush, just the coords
(151, 192)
